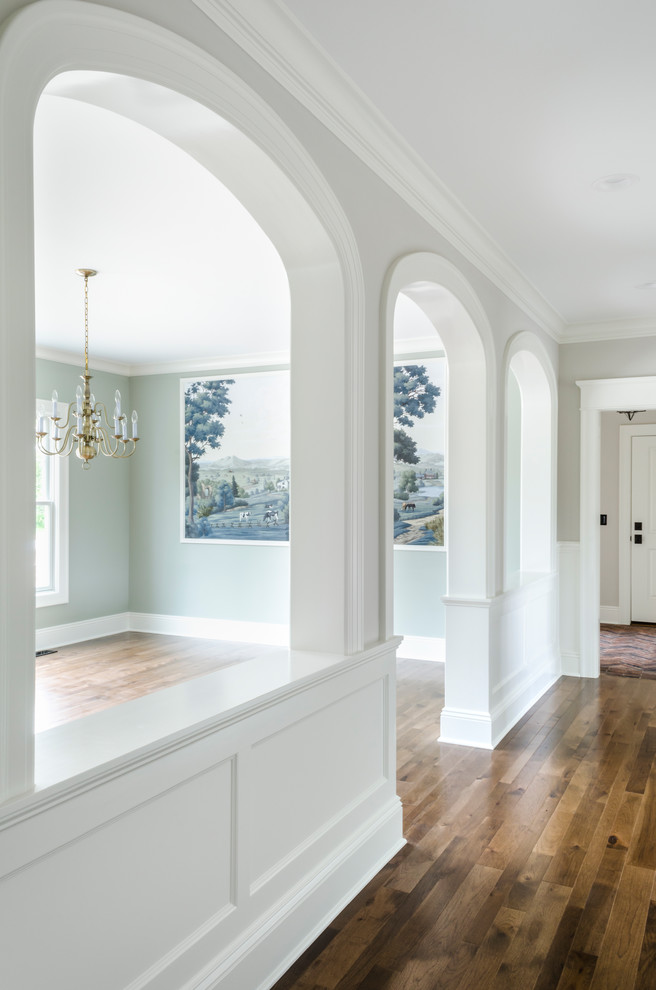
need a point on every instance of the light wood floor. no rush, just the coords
(529, 868)
(87, 677)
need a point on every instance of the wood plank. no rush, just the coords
(643, 763)
(643, 844)
(526, 956)
(646, 976)
(619, 957)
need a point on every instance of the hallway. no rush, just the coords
(528, 868)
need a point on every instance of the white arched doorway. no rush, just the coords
(470, 501)
(326, 305)
(530, 425)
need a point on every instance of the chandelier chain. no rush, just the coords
(86, 324)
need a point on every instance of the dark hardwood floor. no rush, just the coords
(528, 868)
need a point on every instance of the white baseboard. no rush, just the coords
(422, 648)
(611, 614)
(264, 633)
(78, 632)
(570, 664)
(466, 728)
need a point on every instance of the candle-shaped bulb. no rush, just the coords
(117, 399)
(92, 401)
(78, 400)
(135, 431)
(55, 398)
(117, 427)
(40, 425)
(125, 428)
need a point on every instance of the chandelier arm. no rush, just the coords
(64, 445)
(86, 428)
(129, 447)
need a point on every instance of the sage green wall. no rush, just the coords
(99, 512)
(220, 581)
(419, 583)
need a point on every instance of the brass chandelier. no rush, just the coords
(86, 428)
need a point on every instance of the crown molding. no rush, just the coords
(580, 333)
(69, 357)
(277, 41)
(269, 361)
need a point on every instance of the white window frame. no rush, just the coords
(58, 594)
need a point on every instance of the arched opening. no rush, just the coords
(191, 293)
(529, 464)
(322, 267)
(420, 474)
(452, 308)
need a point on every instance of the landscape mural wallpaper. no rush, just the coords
(236, 458)
(419, 435)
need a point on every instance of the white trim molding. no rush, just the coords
(575, 333)
(627, 432)
(262, 633)
(598, 395)
(52, 637)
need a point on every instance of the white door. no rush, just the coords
(643, 529)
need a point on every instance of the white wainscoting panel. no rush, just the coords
(343, 746)
(207, 858)
(611, 614)
(569, 611)
(525, 661)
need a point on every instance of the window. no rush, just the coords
(51, 525)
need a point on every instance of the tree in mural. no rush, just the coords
(414, 396)
(224, 496)
(206, 404)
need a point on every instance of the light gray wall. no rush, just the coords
(609, 534)
(633, 356)
(220, 581)
(99, 511)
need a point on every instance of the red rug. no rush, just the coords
(628, 651)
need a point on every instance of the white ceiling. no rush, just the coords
(185, 274)
(518, 108)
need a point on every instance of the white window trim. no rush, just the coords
(59, 594)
